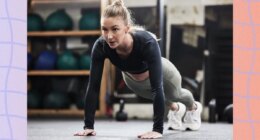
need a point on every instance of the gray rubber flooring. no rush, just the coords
(60, 129)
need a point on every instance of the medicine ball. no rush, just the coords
(46, 61)
(67, 61)
(34, 100)
(59, 20)
(89, 21)
(85, 61)
(35, 22)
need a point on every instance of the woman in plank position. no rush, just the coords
(137, 54)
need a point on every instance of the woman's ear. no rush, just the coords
(127, 29)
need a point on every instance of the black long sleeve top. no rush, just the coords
(144, 56)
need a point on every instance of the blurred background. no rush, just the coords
(196, 35)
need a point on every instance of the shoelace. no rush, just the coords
(172, 118)
(190, 116)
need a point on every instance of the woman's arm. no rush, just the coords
(92, 93)
(152, 55)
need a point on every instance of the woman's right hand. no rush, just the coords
(86, 132)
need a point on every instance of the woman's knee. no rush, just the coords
(187, 97)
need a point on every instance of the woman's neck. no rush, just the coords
(127, 46)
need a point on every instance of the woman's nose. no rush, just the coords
(109, 35)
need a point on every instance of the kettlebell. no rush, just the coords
(121, 115)
(228, 113)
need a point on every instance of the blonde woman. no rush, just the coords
(137, 54)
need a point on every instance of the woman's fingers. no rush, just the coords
(150, 135)
(93, 133)
(78, 134)
(87, 132)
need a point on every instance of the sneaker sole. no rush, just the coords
(192, 127)
(178, 129)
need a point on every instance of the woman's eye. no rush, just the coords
(104, 29)
(116, 29)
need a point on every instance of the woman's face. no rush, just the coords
(114, 31)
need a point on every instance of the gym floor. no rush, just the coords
(60, 129)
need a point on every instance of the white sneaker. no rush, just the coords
(175, 117)
(192, 119)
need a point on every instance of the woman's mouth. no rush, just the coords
(111, 43)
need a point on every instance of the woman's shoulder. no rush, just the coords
(144, 35)
(100, 40)
(99, 45)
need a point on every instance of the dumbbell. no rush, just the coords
(228, 113)
(121, 115)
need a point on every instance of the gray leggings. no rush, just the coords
(171, 84)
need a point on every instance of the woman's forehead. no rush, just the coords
(111, 21)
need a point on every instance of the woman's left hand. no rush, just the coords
(86, 132)
(150, 135)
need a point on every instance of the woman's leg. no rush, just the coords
(172, 86)
(175, 93)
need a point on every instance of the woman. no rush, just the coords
(137, 54)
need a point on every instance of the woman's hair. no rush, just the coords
(117, 8)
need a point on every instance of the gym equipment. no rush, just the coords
(56, 100)
(35, 22)
(121, 115)
(59, 20)
(228, 113)
(67, 61)
(89, 21)
(34, 100)
(46, 61)
(212, 111)
(84, 62)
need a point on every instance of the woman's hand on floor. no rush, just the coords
(150, 135)
(86, 132)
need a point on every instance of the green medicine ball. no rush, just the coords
(59, 20)
(89, 21)
(34, 100)
(67, 61)
(35, 22)
(84, 62)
